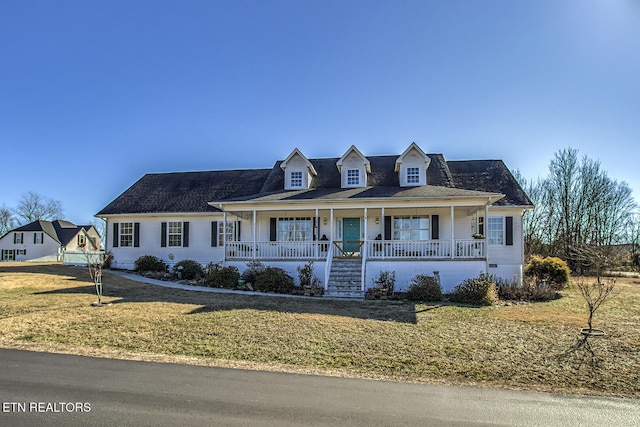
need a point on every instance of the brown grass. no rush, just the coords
(48, 307)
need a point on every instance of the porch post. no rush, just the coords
(382, 234)
(486, 241)
(364, 243)
(255, 248)
(453, 234)
(224, 236)
(316, 232)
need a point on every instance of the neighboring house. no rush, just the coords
(47, 241)
(410, 213)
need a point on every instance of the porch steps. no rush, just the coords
(345, 279)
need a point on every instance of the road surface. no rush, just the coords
(52, 389)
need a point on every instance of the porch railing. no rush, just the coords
(374, 249)
(426, 249)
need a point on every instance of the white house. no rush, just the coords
(410, 213)
(47, 241)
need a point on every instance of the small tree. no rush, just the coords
(594, 294)
(95, 263)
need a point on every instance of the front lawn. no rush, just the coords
(48, 307)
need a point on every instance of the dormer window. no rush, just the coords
(296, 179)
(413, 175)
(298, 171)
(353, 167)
(353, 177)
(412, 166)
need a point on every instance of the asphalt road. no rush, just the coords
(53, 389)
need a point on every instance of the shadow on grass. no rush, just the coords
(118, 290)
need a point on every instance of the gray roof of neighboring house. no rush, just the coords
(185, 192)
(60, 230)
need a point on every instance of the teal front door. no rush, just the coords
(350, 234)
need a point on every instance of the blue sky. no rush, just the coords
(94, 94)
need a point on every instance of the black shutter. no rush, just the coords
(481, 225)
(315, 231)
(34, 238)
(136, 234)
(163, 234)
(435, 227)
(272, 230)
(509, 230)
(185, 234)
(238, 230)
(214, 234)
(116, 238)
(387, 228)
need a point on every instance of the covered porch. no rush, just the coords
(386, 233)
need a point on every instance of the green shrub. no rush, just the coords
(424, 288)
(149, 263)
(479, 290)
(551, 270)
(190, 269)
(254, 268)
(306, 276)
(529, 290)
(221, 277)
(274, 279)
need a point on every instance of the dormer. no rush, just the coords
(353, 167)
(412, 166)
(298, 171)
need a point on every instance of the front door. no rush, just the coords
(350, 234)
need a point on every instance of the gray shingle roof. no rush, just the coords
(190, 192)
(60, 230)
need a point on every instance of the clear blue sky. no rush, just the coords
(94, 94)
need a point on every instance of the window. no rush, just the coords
(38, 238)
(21, 252)
(126, 234)
(411, 228)
(296, 179)
(495, 230)
(175, 233)
(413, 175)
(353, 177)
(18, 238)
(82, 240)
(230, 232)
(294, 230)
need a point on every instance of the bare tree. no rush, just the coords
(6, 220)
(579, 205)
(32, 207)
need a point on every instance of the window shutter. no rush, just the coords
(238, 230)
(435, 227)
(214, 234)
(509, 231)
(185, 234)
(272, 230)
(387, 228)
(136, 234)
(34, 238)
(116, 238)
(163, 235)
(315, 230)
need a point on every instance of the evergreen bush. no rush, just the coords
(191, 270)
(221, 277)
(554, 271)
(274, 279)
(424, 288)
(479, 290)
(149, 263)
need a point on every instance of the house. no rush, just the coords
(47, 240)
(354, 216)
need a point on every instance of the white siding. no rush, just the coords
(413, 160)
(45, 251)
(296, 164)
(199, 249)
(353, 161)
